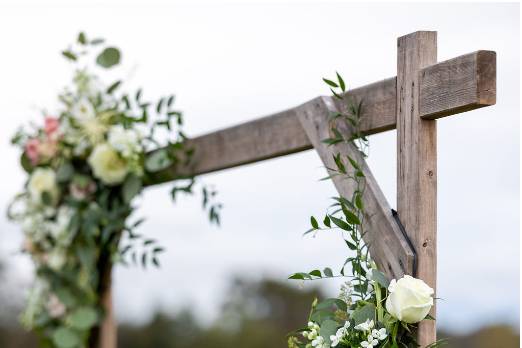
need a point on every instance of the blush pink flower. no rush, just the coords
(48, 149)
(51, 125)
(32, 149)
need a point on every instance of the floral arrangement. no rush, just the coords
(85, 164)
(370, 311)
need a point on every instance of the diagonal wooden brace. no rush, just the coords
(389, 247)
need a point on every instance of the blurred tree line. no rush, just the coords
(255, 314)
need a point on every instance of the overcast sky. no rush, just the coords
(230, 63)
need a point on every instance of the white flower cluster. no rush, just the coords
(346, 292)
(341, 332)
(374, 335)
(313, 335)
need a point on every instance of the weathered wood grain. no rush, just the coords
(388, 246)
(457, 85)
(417, 162)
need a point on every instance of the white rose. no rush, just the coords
(107, 165)
(409, 299)
(43, 180)
(125, 141)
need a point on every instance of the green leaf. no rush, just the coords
(66, 338)
(354, 163)
(326, 221)
(352, 218)
(97, 41)
(108, 57)
(113, 87)
(380, 278)
(330, 83)
(358, 201)
(131, 187)
(322, 315)
(350, 245)
(332, 304)
(69, 55)
(64, 172)
(314, 223)
(26, 163)
(328, 272)
(81, 38)
(341, 82)
(83, 318)
(300, 276)
(157, 160)
(316, 273)
(328, 328)
(155, 262)
(360, 315)
(340, 223)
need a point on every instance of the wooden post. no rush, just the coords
(105, 334)
(417, 162)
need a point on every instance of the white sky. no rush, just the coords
(229, 63)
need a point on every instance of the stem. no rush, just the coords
(380, 310)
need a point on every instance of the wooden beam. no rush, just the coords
(388, 246)
(457, 85)
(467, 82)
(417, 162)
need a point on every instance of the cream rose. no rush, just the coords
(107, 165)
(409, 299)
(43, 180)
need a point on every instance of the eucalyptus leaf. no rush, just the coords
(131, 187)
(361, 314)
(328, 272)
(83, 318)
(64, 172)
(108, 57)
(157, 160)
(328, 328)
(380, 278)
(66, 338)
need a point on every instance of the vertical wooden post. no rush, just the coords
(417, 162)
(105, 334)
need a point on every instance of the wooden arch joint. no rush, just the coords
(389, 246)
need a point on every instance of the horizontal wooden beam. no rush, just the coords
(456, 85)
(389, 247)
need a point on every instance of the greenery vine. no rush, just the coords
(366, 313)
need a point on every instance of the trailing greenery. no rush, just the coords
(371, 310)
(85, 165)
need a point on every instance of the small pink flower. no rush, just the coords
(81, 192)
(32, 149)
(51, 125)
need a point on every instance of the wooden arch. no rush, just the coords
(402, 242)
